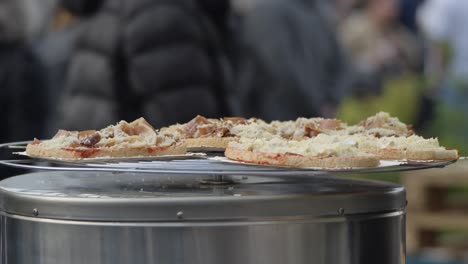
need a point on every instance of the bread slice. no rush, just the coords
(134, 139)
(104, 152)
(405, 148)
(208, 134)
(208, 143)
(388, 153)
(411, 154)
(300, 161)
(312, 152)
(432, 154)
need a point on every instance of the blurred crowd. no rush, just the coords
(85, 64)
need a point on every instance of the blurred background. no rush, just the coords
(85, 64)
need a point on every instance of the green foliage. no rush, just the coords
(451, 127)
(382, 176)
(400, 97)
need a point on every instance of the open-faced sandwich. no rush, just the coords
(300, 153)
(404, 148)
(318, 142)
(379, 125)
(208, 134)
(124, 139)
(304, 142)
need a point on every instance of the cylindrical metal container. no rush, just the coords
(109, 218)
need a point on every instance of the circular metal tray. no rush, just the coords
(103, 196)
(210, 164)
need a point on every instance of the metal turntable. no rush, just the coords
(199, 210)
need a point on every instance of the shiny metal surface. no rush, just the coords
(108, 218)
(201, 166)
(142, 197)
(366, 239)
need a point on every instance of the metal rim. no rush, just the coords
(138, 197)
(233, 222)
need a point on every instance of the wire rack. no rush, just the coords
(201, 164)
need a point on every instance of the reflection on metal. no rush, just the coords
(352, 240)
(199, 211)
(113, 218)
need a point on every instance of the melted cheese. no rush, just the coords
(384, 125)
(349, 130)
(335, 145)
(309, 147)
(254, 130)
(175, 132)
(62, 141)
(412, 143)
(135, 134)
(403, 143)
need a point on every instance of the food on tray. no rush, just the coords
(202, 133)
(404, 148)
(137, 138)
(304, 142)
(304, 153)
(379, 125)
(215, 134)
(321, 142)
(393, 147)
(307, 127)
(383, 125)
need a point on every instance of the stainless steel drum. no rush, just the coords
(112, 218)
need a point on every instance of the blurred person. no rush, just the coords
(54, 49)
(378, 43)
(28, 18)
(443, 23)
(344, 8)
(390, 55)
(288, 62)
(24, 89)
(38, 16)
(408, 10)
(407, 16)
(22, 98)
(163, 60)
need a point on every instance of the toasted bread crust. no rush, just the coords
(400, 154)
(388, 154)
(447, 154)
(295, 160)
(80, 153)
(208, 143)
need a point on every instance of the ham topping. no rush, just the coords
(236, 120)
(203, 127)
(313, 127)
(192, 126)
(90, 140)
(383, 125)
(62, 132)
(331, 124)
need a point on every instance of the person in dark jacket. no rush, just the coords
(290, 63)
(23, 101)
(159, 59)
